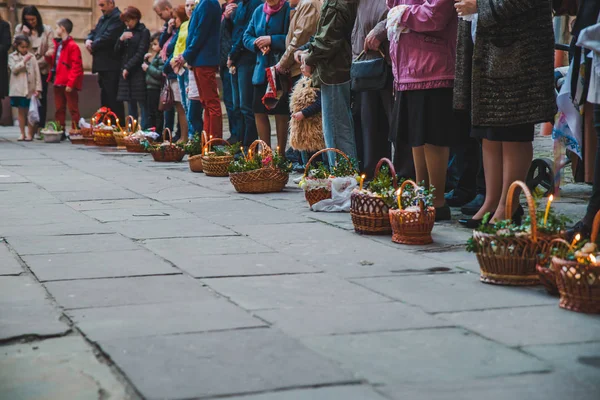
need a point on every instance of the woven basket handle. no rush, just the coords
(130, 121)
(392, 170)
(530, 205)
(99, 115)
(215, 140)
(107, 118)
(421, 203)
(203, 138)
(595, 228)
(167, 130)
(318, 153)
(267, 151)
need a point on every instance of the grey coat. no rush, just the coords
(508, 77)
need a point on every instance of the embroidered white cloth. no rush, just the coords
(393, 24)
(341, 190)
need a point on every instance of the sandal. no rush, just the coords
(21, 138)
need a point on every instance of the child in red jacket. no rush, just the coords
(66, 73)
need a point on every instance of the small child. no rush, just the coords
(153, 66)
(306, 127)
(66, 73)
(25, 82)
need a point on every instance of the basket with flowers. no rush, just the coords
(193, 148)
(262, 171)
(412, 221)
(104, 132)
(216, 159)
(167, 151)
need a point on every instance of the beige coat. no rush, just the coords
(42, 46)
(303, 25)
(25, 78)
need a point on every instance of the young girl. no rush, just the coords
(25, 82)
(153, 66)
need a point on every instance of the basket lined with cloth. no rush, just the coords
(167, 151)
(412, 223)
(104, 132)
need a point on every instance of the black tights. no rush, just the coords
(594, 204)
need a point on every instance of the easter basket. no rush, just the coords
(370, 213)
(194, 150)
(318, 189)
(266, 178)
(167, 151)
(412, 225)
(214, 164)
(104, 134)
(52, 132)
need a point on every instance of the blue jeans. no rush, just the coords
(243, 96)
(338, 126)
(233, 116)
(169, 118)
(132, 108)
(194, 117)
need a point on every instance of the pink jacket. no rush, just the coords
(425, 57)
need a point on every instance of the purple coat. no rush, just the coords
(425, 57)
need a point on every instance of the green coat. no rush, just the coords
(154, 73)
(330, 51)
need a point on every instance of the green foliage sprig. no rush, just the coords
(258, 161)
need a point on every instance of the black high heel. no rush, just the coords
(470, 223)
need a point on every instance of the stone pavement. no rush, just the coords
(121, 278)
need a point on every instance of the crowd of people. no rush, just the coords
(466, 80)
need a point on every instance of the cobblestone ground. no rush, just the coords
(121, 278)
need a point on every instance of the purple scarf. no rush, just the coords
(267, 9)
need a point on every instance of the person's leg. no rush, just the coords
(516, 160)
(246, 99)
(183, 126)
(44, 101)
(132, 108)
(60, 103)
(233, 115)
(206, 79)
(22, 118)
(72, 99)
(111, 82)
(344, 125)
(492, 162)
(195, 116)
(375, 128)
(328, 110)
(169, 119)
(264, 128)
(420, 165)
(594, 203)
(282, 123)
(436, 158)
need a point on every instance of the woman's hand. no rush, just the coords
(126, 36)
(371, 42)
(125, 74)
(263, 41)
(465, 7)
(171, 25)
(298, 116)
(298, 54)
(25, 30)
(145, 67)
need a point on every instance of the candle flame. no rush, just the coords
(593, 258)
(363, 176)
(577, 237)
(551, 198)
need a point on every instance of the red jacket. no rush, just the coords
(69, 68)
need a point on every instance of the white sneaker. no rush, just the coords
(297, 180)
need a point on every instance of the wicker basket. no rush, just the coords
(370, 214)
(412, 227)
(313, 196)
(76, 135)
(104, 136)
(544, 265)
(120, 139)
(579, 284)
(263, 180)
(510, 260)
(195, 161)
(169, 153)
(214, 165)
(133, 144)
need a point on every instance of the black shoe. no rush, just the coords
(470, 223)
(474, 205)
(233, 140)
(580, 227)
(458, 197)
(517, 216)
(63, 137)
(443, 213)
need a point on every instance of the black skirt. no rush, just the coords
(282, 108)
(427, 117)
(514, 133)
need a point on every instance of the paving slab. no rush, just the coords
(36, 245)
(184, 191)
(220, 363)
(581, 360)
(170, 228)
(138, 214)
(280, 291)
(44, 214)
(423, 356)
(545, 325)
(111, 292)
(350, 392)
(546, 386)
(179, 249)
(52, 267)
(454, 292)
(209, 314)
(93, 205)
(9, 265)
(61, 368)
(21, 291)
(215, 266)
(96, 194)
(351, 318)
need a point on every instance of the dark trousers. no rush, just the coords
(154, 118)
(594, 204)
(234, 116)
(109, 87)
(195, 117)
(44, 101)
(243, 96)
(169, 120)
(467, 167)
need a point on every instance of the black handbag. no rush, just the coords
(369, 74)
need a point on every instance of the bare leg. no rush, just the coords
(420, 165)
(492, 165)
(31, 129)
(436, 158)
(264, 128)
(182, 122)
(516, 159)
(281, 124)
(22, 116)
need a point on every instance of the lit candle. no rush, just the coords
(398, 192)
(109, 123)
(249, 154)
(362, 180)
(593, 259)
(548, 209)
(242, 150)
(130, 128)
(575, 240)
(277, 149)
(209, 145)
